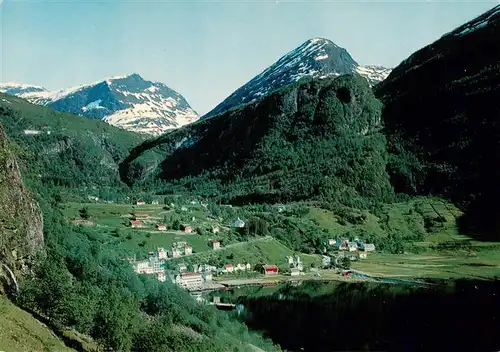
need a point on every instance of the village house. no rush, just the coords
(290, 259)
(326, 260)
(206, 268)
(161, 253)
(332, 242)
(215, 229)
(181, 267)
(270, 269)
(368, 247)
(343, 246)
(161, 227)
(353, 246)
(362, 255)
(176, 252)
(155, 202)
(240, 267)
(136, 224)
(150, 266)
(140, 202)
(228, 268)
(207, 276)
(189, 280)
(215, 244)
(238, 223)
(186, 228)
(294, 272)
(141, 216)
(248, 266)
(161, 276)
(188, 250)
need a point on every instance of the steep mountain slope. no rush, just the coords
(21, 332)
(129, 102)
(64, 150)
(21, 223)
(315, 138)
(443, 119)
(317, 57)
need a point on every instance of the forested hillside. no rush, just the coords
(77, 285)
(441, 115)
(313, 139)
(75, 154)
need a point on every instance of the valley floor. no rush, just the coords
(433, 257)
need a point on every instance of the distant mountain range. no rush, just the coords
(129, 102)
(138, 105)
(317, 57)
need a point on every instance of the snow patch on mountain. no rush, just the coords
(317, 58)
(128, 102)
(479, 22)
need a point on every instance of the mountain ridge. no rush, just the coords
(129, 102)
(317, 57)
(441, 117)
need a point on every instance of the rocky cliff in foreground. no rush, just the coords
(21, 222)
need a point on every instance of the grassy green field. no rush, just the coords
(265, 250)
(21, 332)
(112, 220)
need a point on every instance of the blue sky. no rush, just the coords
(205, 50)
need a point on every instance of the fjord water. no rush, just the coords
(458, 316)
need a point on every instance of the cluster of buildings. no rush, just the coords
(154, 265)
(203, 274)
(180, 249)
(353, 250)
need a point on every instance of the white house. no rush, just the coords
(176, 252)
(368, 247)
(162, 253)
(188, 250)
(189, 279)
(238, 223)
(294, 272)
(352, 246)
(332, 242)
(161, 227)
(215, 244)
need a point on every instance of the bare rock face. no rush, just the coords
(21, 222)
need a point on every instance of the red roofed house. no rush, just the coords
(189, 279)
(161, 227)
(136, 223)
(140, 202)
(228, 268)
(270, 269)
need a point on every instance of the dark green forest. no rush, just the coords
(316, 139)
(81, 287)
(78, 285)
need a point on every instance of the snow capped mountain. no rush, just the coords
(317, 57)
(129, 102)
